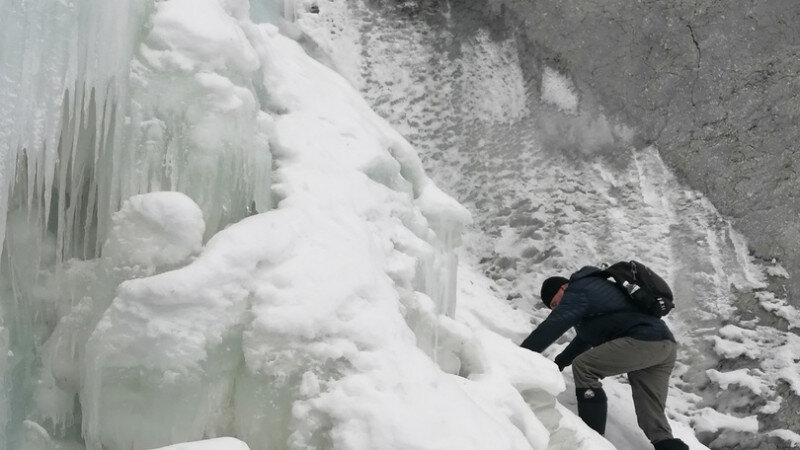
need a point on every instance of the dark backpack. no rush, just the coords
(645, 288)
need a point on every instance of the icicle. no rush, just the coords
(288, 10)
(56, 59)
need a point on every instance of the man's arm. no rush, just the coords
(566, 315)
(575, 348)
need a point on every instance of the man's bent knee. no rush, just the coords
(585, 376)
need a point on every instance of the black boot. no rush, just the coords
(593, 407)
(670, 444)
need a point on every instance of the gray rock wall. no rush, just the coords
(715, 85)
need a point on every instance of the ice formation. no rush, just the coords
(320, 311)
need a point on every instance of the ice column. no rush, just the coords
(5, 381)
(196, 120)
(56, 58)
(96, 111)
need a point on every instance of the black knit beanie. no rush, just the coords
(550, 287)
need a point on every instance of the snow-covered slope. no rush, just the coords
(554, 184)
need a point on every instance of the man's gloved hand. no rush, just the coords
(560, 363)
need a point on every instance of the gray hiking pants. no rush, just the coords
(648, 365)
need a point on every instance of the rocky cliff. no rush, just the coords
(714, 85)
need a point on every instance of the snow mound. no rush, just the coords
(155, 229)
(225, 443)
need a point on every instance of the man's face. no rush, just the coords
(557, 298)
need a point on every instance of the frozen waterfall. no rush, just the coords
(209, 233)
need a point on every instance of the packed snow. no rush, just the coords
(210, 444)
(233, 250)
(155, 229)
(559, 91)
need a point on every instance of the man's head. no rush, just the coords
(552, 288)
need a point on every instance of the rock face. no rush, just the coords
(714, 85)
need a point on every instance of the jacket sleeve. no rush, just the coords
(575, 348)
(567, 314)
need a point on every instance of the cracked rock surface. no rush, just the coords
(714, 85)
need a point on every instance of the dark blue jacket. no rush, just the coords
(600, 312)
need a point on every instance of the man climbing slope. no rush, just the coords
(613, 337)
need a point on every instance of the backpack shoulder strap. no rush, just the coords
(586, 271)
